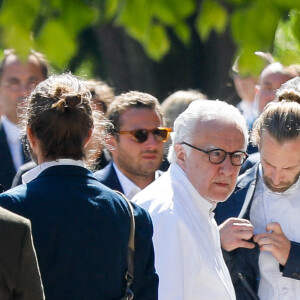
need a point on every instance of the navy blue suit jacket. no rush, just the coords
(243, 263)
(7, 168)
(109, 177)
(81, 230)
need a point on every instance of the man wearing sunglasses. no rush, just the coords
(207, 151)
(135, 142)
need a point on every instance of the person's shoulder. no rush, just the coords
(248, 176)
(156, 198)
(252, 160)
(103, 173)
(141, 213)
(15, 192)
(9, 218)
(14, 197)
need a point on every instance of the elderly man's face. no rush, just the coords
(214, 182)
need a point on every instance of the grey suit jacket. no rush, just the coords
(19, 272)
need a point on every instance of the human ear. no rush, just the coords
(180, 155)
(89, 137)
(31, 138)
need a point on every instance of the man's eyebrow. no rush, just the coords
(288, 167)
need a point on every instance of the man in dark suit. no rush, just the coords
(17, 79)
(268, 196)
(135, 143)
(19, 272)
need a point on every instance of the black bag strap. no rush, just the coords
(130, 252)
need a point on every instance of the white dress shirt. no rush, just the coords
(188, 256)
(13, 136)
(284, 208)
(129, 188)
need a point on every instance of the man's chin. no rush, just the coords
(277, 189)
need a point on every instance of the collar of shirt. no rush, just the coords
(35, 172)
(200, 202)
(12, 131)
(129, 188)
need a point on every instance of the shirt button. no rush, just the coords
(285, 290)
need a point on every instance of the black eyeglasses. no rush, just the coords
(161, 134)
(217, 156)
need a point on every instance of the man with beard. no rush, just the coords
(18, 78)
(135, 142)
(268, 196)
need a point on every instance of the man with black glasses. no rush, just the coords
(207, 151)
(135, 142)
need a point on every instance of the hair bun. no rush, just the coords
(60, 105)
(69, 101)
(72, 100)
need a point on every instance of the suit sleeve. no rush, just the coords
(145, 284)
(29, 279)
(292, 267)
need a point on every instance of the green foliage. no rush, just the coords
(12, 15)
(157, 42)
(59, 44)
(147, 21)
(286, 44)
(252, 31)
(110, 9)
(53, 26)
(16, 25)
(212, 16)
(85, 69)
(264, 26)
(249, 63)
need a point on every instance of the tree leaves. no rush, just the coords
(212, 16)
(53, 26)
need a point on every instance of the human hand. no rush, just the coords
(234, 233)
(274, 241)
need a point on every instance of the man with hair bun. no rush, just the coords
(80, 227)
(267, 195)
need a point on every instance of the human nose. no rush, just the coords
(151, 140)
(276, 177)
(226, 166)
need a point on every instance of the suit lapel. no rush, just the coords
(7, 168)
(251, 181)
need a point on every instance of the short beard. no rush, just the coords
(285, 185)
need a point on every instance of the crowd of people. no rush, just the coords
(110, 196)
